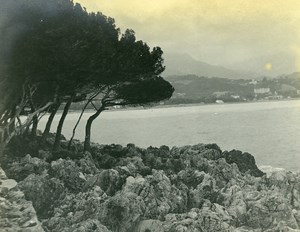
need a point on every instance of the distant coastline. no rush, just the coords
(247, 127)
(186, 105)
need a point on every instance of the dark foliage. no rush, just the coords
(244, 161)
(63, 54)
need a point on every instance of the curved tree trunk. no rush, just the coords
(60, 124)
(12, 117)
(87, 139)
(20, 128)
(26, 131)
(50, 120)
(35, 121)
(75, 127)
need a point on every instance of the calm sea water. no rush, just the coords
(270, 131)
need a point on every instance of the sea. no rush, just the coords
(270, 130)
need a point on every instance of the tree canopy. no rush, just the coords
(63, 54)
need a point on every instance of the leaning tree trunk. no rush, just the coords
(35, 118)
(12, 117)
(87, 140)
(60, 124)
(20, 128)
(26, 131)
(50, 120)
(35, 121)
(75, 127)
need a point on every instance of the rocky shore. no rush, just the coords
(124, 189)
(16, 213)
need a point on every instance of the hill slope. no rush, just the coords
(184, 64)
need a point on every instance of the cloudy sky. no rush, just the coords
(230, 33)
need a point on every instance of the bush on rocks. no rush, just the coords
(69, 173)
(44, 193)
(25, 166)
(244, 161)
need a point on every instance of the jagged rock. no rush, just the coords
(134, 184)
(134, 164)
(76, 146)
(246, 229)
(190, 177)
(149, 225)
(214, 147)
(105, 161)
(288, 184)
(88, 226)
(281, 178)
(63, 153)
(161, 197)
(16, 214)
(207, 189)
(68, 172)
(44, 155)
(109, 181)
(115, 150)
(223, 173)
(152, 161)
(132, 151)
(74, 209)
(2, 175)
(122, 212)
(244, 161)
(269, 210)
(163, 159)
(236, 204)
(87, 164)
(208, 151)
(26, 166)
(178, 159)
(269, 169)
(196, 220)
(7, 184)
(282, 227)
(189, 188)
(162, 152)
(158, 194)
(43, 191)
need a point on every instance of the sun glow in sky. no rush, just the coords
(228, 33)
(268, 66)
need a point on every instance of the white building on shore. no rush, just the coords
(262, 90)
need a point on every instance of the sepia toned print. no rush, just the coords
(139, 116)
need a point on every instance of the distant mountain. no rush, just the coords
(192, 89)
(195, 89)
(279, 64)
(294, 75)
(184, 64)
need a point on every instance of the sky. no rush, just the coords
(232, 33)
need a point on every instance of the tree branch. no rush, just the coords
(75, 127)
(27, 122)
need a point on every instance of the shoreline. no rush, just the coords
(184, 105)
(161, 189)
(112, 118)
